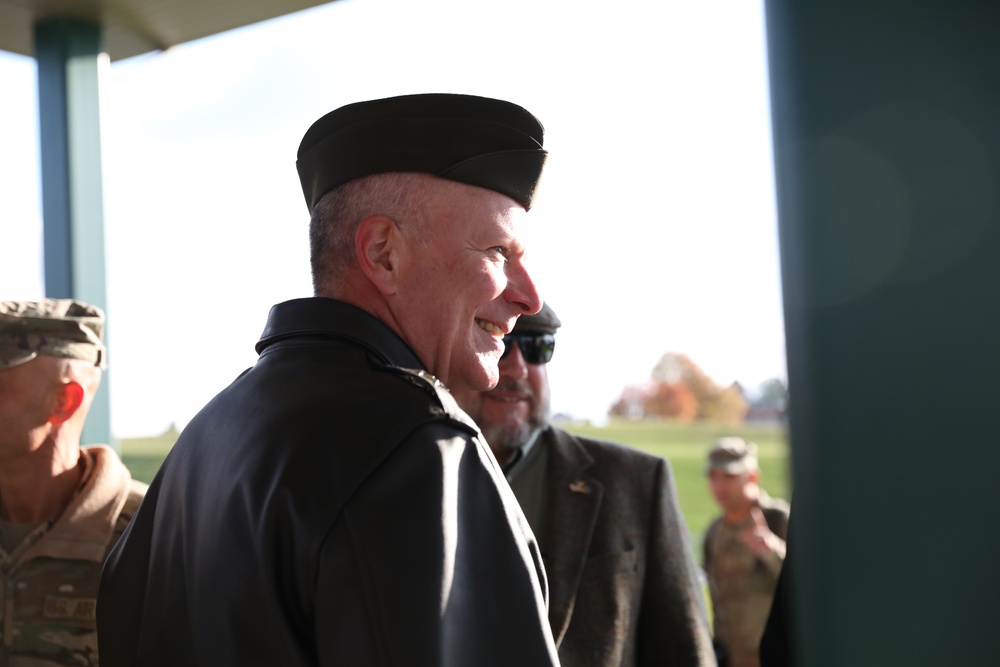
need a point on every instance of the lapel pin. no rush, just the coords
(580, 486)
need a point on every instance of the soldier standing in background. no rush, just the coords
(743, 549)
(62, 506)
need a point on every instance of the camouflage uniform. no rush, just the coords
(742, 583)
(49, 582)
(49, 579)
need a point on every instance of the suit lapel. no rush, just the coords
(574, 499)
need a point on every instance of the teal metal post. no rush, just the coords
(886, 121)
(69, 62)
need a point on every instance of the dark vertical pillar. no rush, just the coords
(887, 149)
(69, 63)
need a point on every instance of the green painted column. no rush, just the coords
(69, 65)
(887, 151)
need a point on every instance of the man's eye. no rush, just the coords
(499, 250)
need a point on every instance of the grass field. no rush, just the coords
(144, 455)
(684, 445)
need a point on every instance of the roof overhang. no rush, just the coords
(132, 27)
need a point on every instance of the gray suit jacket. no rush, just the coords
(624, 588)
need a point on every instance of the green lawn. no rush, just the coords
(144, 455)
(684, 445)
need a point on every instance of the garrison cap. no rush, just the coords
(473, 140)
(733, 456)
(544, 321)
(51, 327)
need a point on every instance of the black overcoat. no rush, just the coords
(332, 506)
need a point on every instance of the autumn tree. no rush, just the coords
(675, 401)
(728, 406)
(631, 404)
(656, 399)
(680, 389)
(715, 403)
(674, 367)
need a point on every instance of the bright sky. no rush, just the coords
(654, 229)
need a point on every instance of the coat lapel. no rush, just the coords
(574, 499)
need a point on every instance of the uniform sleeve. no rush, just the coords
(776, 649)
(772, 560)
(777, 523)
(706, 549)
(426, 567)
(673, 620)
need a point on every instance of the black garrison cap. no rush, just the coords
(473, 140)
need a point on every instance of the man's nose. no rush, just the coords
(513, 365)
(521, 289)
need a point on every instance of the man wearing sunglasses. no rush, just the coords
(623, 585)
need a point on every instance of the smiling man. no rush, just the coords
(333, 506)
(624, 585)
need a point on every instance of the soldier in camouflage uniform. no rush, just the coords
(744, 550)
(62, 507)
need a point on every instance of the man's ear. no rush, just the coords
(377, 245)
(69, 398)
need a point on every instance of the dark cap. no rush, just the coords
(733, 456)
(473, 140)
(544, 321)
(52, 327)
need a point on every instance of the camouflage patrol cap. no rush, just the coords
(51, 327)
(733, 456)
(544, 321)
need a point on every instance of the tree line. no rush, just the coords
(679, 389)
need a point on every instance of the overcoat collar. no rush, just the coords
(318, 316)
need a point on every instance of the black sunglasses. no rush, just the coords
(536, 348)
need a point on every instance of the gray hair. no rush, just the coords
(335, 219)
